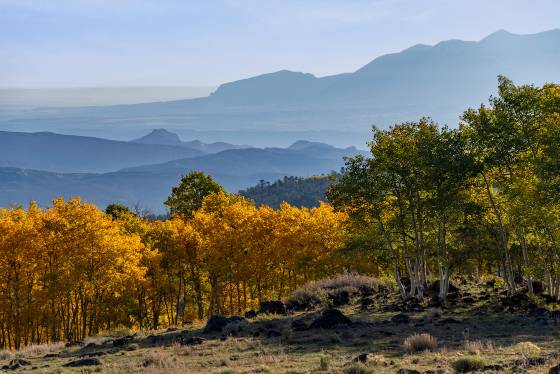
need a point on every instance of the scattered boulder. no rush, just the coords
(273, 307)
(449, 320)
(368, 291)
(250, 314)
(298, 305)
(554, 370)
(83, 362)
(74, 344)
(340, 298)
(494, 367)
(16, 364)
(408, 371)
(400, 318)
(172, 328)
(365, 302)
(433, 288)
(364, 357)
(329, 319)
(217, 323)
(121, 342)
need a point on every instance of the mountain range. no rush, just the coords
(146, 186)
(272, 109)
(70, 154)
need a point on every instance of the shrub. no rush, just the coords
(358, 369)
(527, 348)
(317, 292)
(132, 347)
(468, 364)
(474, 347)
(420, 343)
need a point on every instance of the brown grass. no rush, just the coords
(420, 343)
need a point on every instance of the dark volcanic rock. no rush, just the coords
(121, 342)
(83, 362)
(554, 370)
(250, 314)
(273, 307)
(329, 319)
(74, 344)
(408, 371)
(16, 364)
(217, 323)
(365, 302)
(400, 318)
(340, 298)
(433, 288)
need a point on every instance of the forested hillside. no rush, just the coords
(430, 203)
(297, 191)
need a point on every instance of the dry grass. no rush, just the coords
(526, 349)
(41, 349)
(161, 359)
(420, 343)
(475, 347)
(6, 355)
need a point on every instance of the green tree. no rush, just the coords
(117, 211)
(187, 197)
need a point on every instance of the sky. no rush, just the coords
(95, 43)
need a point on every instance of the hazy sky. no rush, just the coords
(71, 43)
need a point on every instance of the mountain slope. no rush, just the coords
(149, 185)
(439, 81)
(68, 153)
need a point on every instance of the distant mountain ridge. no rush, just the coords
(438, 81)
(149, 185)
(73, 154)
(69, 153)
(164, 137)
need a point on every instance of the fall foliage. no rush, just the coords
(70, 271)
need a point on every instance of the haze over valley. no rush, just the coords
(278, 108)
